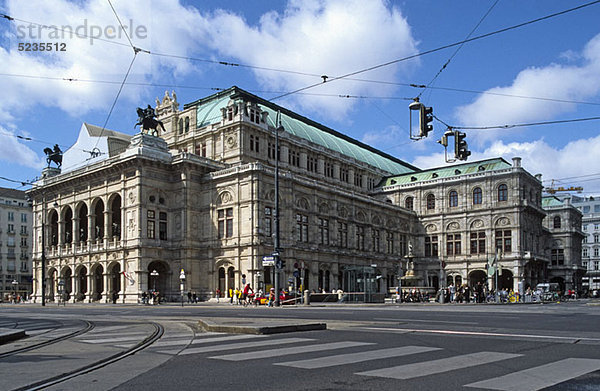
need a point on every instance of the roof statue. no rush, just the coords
(54, 155)
(147, 120)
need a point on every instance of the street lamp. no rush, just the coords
(182, 284)
(276, 253)
(154, 274)
(14, 284)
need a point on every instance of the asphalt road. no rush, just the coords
(407, 347)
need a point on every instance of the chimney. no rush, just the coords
(516, 162)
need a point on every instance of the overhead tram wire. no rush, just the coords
(388, 63)
(44, 142)
(458, 48)
(517, 125)
(136, 50)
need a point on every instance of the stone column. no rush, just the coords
(107, 228)
(107, 290)
(90, 285)
(91, 232)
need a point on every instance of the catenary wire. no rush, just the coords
(458, 48)
(385, 64)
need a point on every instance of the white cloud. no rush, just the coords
(322, 37)
(576, 159)
(11, 150)
(85, 59)
(564, 82)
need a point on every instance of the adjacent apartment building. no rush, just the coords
(200, 198)
(16, 270)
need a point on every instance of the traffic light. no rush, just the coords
(426, 116)
(461, 151)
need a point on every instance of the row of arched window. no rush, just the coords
(453, 198)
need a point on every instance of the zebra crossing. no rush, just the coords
(425, 360)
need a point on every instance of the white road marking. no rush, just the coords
(343, 359)
(432, 367)
(241, 345)
(286, 351)
(537, 378)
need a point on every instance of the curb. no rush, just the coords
(208, 325)
(7, 335)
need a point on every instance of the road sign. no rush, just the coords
(268, 258)
(279, 263)
(296, 273)
(491, 271)
(268, 263)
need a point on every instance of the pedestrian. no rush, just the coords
(115, 296)
(247, 290)
(271, 297)
(189, 295)
(236, 294)
(230, 296)
(218, 294)
(195, 297)
(144, 298)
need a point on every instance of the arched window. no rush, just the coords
(502, 193)
(477, 196)
(408, 203)
(556, 221)
(430, 201)
(453, 199)
(180, 125)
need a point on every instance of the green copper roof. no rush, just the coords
(446, 172)
(551, 201)
(209, 111)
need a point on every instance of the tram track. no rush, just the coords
(88, 327)
(70, 374)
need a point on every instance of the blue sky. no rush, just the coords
(545, 71)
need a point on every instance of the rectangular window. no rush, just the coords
(329, 169)
(302, 228)
(311, 164)
(584, 253)
(150, 231)
(596, 238)
(23, 217)
(389, 238)
(402, 244)
(343, 234)
(376, 242)
(358, 179)
(344, 174)
(360, 238)
(11, 216)
(162, 226)
(23, 230)
(294, 158)
(596, 252)
(271, 150)
(268, 221)
(431, 246)
(478, 242)
(11, 228)
(23, 242)
(453, 245)
(557, 256)
(323, 231)
(225, 223)
(503, 241)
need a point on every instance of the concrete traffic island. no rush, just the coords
(7, 335)
(257, 326)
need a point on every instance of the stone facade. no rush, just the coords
(200, 198)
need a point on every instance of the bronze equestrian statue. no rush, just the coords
(54, 155)
(147, 120)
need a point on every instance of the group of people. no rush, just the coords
(247, 296)
(152, 297)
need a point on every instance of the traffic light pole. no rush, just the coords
(277, 263)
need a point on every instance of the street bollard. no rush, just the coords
(307, 297)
